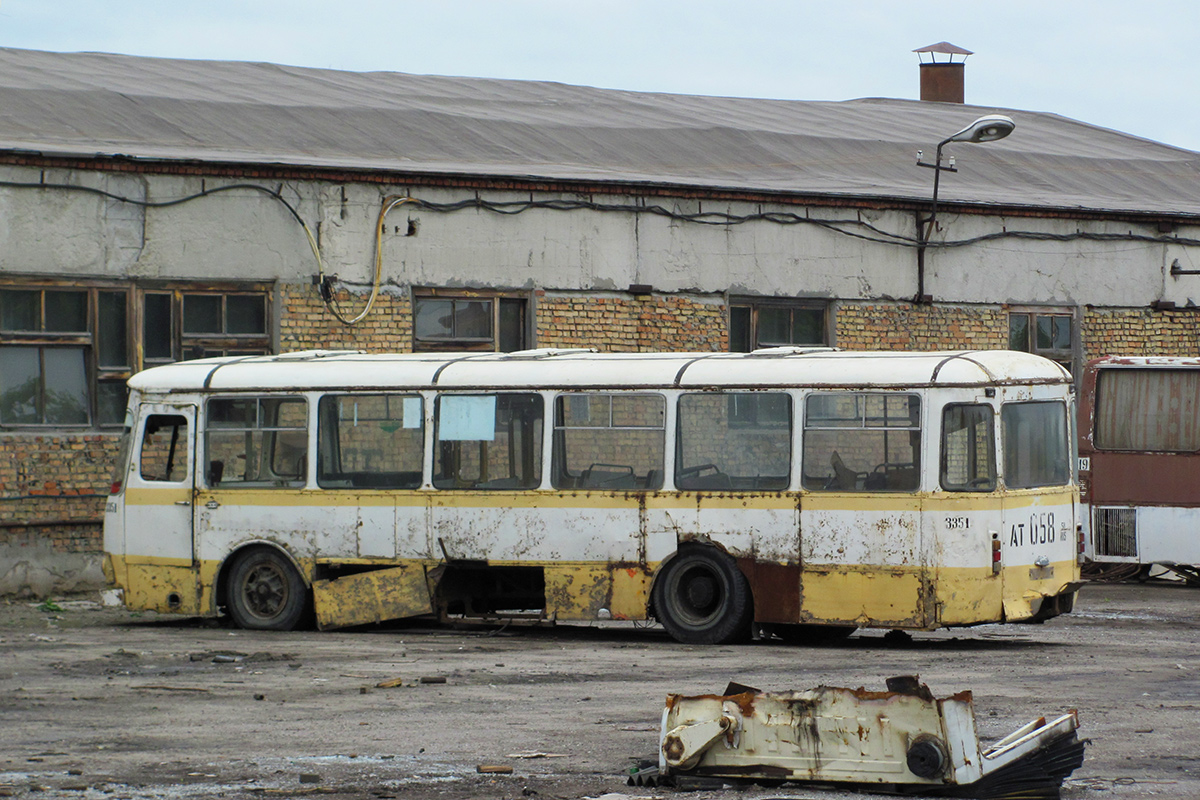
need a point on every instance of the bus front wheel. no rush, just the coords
(266, 592)
(701, 597)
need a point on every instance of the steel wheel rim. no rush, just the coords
(699, 594)
(265, 591)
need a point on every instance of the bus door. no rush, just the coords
(965, 519)
(860, 520)
(1037, 536)
(159, 542)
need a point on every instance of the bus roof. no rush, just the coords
(1145, 362)
(773, 367)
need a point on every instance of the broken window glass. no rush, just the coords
(164, 452)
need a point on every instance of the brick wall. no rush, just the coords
(1140, 332)
(902, 326)
(52, 492)
(631, 325)
(305, 323)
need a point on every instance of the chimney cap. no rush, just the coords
(944, 48)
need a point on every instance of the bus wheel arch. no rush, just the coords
(261, 588)
(701, 596)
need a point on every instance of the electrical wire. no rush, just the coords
(276, 194)
(720, 218)
(854, 228)
(388, 204)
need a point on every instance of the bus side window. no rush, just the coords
(488, 441)
(163, 455)
(968, 448)
(1036, 449)
(862, 442)
(257, 441)
(370, 441)
(609, 442)
(734, 441)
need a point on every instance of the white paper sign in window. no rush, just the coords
(412, 412)
(464, 418)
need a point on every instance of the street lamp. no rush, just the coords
(987, 128)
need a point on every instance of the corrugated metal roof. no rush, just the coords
(217, 111)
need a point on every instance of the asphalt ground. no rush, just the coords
(98, 702)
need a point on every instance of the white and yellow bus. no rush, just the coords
(809, 492)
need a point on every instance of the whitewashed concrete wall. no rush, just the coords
(246, 235)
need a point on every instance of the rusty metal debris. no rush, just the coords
(900, 740)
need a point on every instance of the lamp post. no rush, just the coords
(987, 128)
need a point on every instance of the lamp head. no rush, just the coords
(987, 128)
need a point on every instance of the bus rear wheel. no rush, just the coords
(701, 597)
(266, 592)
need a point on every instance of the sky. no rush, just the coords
(1130, 66)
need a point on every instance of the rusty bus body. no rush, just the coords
(1139, 449)
(806, 491)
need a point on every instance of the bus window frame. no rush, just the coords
(536, 449)
(994, 469)
(836, 482)
(1069, 446)
(605, 476)
(718, 479)
(213, 480)
(327, 482)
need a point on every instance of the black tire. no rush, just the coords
(265, 592)
(812, 634)
(701, 597)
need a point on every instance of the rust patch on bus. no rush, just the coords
(780, 583)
